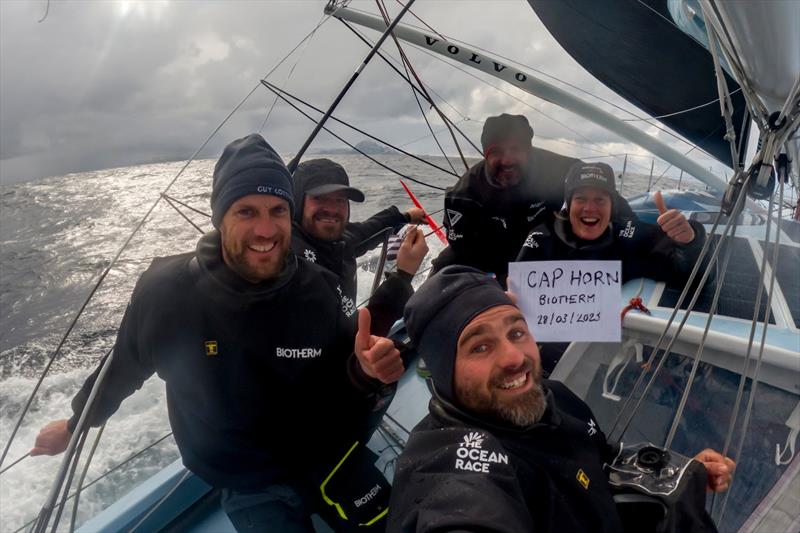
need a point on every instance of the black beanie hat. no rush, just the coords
(504, 127)
(320, 176)
(598, 175)
(438, 312)
(248, 166)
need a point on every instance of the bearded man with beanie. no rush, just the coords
(489, 212)
(264, 392)
(502, 449)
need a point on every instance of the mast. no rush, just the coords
(387, 30)
(535, 86)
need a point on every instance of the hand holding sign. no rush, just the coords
(672, 222)
(377, 356)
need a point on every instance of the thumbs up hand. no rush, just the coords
(377, 356)
(672, 222)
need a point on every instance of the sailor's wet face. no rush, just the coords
(325, 216)
(256, 231)
(589, 212)
(498, 371)
(506, 162)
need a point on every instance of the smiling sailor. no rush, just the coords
(323, 233)
(584, 230)
(263, 391)
(504, 450)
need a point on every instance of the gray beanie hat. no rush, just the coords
(440, 309)
(248, 166)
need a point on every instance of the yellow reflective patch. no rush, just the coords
(212, 348)
(582, 478)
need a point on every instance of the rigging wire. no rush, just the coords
(507, 93)
(181, 213)
(746, 364)
(689, 151)
(699, 353)
(382, 165)
(421, 21)
(674, 337)
(757, 371)
(77, 493)
(76, 457)
(122, 249)
(161, 500)
(566, 83)
(681, 112)
(276, 90)
(410, 68)
(292, 166)
(107, 473)
(323, 20)
(46, 12)
(187, 206)
(408, 80)
(9, 467)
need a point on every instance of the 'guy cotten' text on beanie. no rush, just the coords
(438, 312)
(248, 166)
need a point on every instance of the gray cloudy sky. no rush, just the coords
(106, 83)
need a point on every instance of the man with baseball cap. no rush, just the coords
(502, 449)
(263, 390)
(585, 229)
(323, 232)
(490, 210)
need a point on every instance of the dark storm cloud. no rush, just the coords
(90, 88)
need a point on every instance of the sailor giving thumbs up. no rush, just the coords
(378, 356)
(672, 222)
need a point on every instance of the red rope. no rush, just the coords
(635, 303)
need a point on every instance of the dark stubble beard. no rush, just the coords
(235, 259)
(525, 409)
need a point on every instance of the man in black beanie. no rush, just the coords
(502, 449)
(264, 392)
(489, 212)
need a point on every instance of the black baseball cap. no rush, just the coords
(316, 177)
(599, 175)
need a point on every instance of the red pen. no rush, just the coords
(431, 223)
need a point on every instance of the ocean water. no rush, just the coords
(57, 235)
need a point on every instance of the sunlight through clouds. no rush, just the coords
(144, 9)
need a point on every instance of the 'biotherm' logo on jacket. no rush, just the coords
(298, 353)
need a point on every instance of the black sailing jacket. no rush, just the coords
(643, 249)
(461, 473)
(340, 256)
(261, 384)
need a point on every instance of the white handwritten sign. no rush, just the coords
(567, 301)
